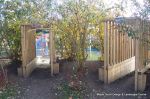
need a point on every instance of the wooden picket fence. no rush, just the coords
(119, 52)
(118, 46)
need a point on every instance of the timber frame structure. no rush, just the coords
(29, 50)
(122, 54)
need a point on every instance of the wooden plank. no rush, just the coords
(25, 36)
(136, 64)
(26, 44)
(133, 47)
(122, 53)
(32, 47)
(127, 46)
(24, 48)
(54, 50)
(106, 51)
(105, 45)
(130, 47)
(23, 45)
(114, 43)
(120, 46)
(123, 46)
(28, 47)
(149, 39)
(121, 43)
(117, 46)
(124, 49)
(142, 47)
(110, 42)
(51, 51)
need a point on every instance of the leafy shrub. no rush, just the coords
(8, 93)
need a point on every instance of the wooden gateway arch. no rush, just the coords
(28, 44)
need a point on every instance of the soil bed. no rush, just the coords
(40, 85)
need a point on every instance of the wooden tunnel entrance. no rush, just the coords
(29, 59)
